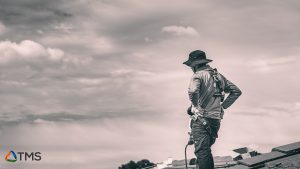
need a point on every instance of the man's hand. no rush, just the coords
(196, 111)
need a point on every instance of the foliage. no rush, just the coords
(137, 165)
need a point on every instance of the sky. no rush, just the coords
(95, 83)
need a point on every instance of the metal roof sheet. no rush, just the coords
(257, 160)
(289, 149)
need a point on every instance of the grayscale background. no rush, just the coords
(95, 83)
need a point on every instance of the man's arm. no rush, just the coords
(234, 93)
(194, 91)
(194, 88)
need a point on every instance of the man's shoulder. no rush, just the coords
(222, 77)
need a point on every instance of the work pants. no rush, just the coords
(204, 136)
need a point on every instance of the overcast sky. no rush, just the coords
(95, 83)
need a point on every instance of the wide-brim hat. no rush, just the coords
(196, 57)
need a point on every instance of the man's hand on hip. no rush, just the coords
(196, 111)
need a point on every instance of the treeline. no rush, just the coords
(137, 165)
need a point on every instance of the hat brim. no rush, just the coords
(196, 62)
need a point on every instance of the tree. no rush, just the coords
(138, 165)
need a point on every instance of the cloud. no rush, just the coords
(2, 28)
(55, 54)
(132, 73)
(268, 64)
(76, 42)
(180, 30)
(282, 109)
(274, 110)
(64, 27)
(55, 117)
(32, 12)
(27, 50)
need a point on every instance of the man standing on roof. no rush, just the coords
(206, 92)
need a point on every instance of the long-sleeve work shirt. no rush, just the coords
(202, 89)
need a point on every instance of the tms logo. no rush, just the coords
(12, 157)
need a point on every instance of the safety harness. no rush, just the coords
(219, 89)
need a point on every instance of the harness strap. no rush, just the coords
(218, 86)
